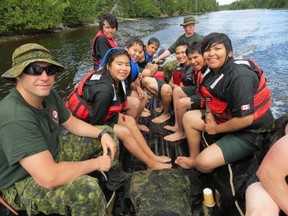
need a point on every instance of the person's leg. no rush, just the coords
(154, 86)
(75, 148)
(151, 85)
(153, 68)
(166, 101)
(259, 202)
(177, 94)
(227, 149)
(83, 196)
(182, 107)
(128, 132)
(134, 109)
(146, 73)
(193, 127)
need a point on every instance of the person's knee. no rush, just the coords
(176, 91)
(166, 90)
(203, 164)
(182, 104)
(131, 122)
(88, 196)
(135, 104)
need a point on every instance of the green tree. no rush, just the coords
(20, 16)
(79, 12)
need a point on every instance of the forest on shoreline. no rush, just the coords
(29, 17)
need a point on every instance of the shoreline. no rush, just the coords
(28, 34)
(14, 37)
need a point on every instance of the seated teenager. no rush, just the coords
(136, 95)
(145, 61)
(105, 94)
(237, 104)
(104, 39)
(185, 98)
(182, 75)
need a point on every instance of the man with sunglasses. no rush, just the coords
(37, 172)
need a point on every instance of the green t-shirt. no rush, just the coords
(188, 40)
(25, 130)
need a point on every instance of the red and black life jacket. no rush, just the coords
(79, 107)
(220, 109)
(183, 75)
(111, 41)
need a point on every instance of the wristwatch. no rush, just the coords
(105, 130)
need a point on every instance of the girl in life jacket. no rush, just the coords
(104, 39)
(105, 93)
(237, 103)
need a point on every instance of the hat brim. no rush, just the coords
(15, 71)
(191, 22)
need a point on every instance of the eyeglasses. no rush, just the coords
(36, 70)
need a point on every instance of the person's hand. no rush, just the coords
(140, 92)
(103, 162)
(210, 125)
(140, 77)
(155, 60)
(108, 143)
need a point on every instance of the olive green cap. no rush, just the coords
(189, 20)
(27, 54)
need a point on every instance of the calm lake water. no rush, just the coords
(257, 34)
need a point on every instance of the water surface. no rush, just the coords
(257, 34)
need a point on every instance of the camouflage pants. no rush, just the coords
(83, 196)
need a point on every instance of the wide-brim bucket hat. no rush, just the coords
(189, 20)
(27, 54)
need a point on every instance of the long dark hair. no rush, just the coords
(217, 38)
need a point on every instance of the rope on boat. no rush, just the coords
(233, 190)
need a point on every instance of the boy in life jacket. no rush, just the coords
(268, 192)
(137, 97)
(104, 93)
(145, 61)
(104, 39)
(182, 76)
(237, 103)
(185, 97)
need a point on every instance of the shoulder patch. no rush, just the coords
(95, 77)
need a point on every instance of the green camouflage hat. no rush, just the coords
(189, 20)
(27, 54)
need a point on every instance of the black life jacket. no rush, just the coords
(262, 96)
(79, 107)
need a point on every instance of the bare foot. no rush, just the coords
(162, 118)
(146, 110)
(170, 128)
(162, 159)
(159, 166)
(185, 162)
(159, 109)
(175, 136)
(145, 114)
(143, 128)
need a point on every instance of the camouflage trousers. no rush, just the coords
(83, 196)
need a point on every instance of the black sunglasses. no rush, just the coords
(36, 70)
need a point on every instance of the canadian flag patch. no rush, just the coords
(245, 107)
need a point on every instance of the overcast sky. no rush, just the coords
(223, 2)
